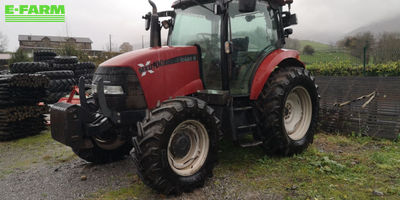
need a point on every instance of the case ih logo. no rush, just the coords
(144, 68)
(34, 13)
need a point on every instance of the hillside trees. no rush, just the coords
(356, 44)
(387, 48)
(3, 42)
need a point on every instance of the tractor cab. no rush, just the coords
(233, 37)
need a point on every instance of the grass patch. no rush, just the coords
(334, 167)
(316, 45)
(330, 57)
(136, 191)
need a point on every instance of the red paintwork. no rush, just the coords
(71, 99)
(267, 67)
(173, 80)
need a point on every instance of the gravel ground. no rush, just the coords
(40, 168)
(334, 167)
(64, 181)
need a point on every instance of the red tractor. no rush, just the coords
(223, 74)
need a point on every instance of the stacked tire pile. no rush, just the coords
(61, 75)
(47, 79)
(85, 69)
(20, 114)
(64, 72)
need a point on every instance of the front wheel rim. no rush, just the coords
(188, 148)
(109, 144)
(297, 113)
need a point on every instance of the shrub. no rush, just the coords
(347, 69)
(308, 50)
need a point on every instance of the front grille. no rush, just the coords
(127, 78)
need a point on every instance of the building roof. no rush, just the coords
(38, 38)
(5, 56)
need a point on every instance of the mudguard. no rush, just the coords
(269, 64)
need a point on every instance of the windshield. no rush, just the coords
(198, 26)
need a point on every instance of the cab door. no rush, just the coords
(253, 35)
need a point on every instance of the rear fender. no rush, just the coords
(281, 58)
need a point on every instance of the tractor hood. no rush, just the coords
(156, 56)
(163, 72)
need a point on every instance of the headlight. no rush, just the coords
(109, 89)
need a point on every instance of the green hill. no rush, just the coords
(316, 45)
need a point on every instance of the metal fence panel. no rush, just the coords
(380, 118)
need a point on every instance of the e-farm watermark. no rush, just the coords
(34, 13)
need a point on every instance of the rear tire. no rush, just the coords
(52, 75)
(166, 156)
(28, 67)
(288, 108)
(66, 59)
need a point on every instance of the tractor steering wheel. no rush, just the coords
(204, 36)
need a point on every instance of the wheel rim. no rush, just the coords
(297, 113)
(188, 148)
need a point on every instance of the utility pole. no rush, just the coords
(66, 27)
(110, 43)
(142, 41)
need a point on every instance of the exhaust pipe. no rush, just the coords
(155, 27)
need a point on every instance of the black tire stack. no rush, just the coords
(20, 114)
(44, 56)
(48, 79)
(61, 77)
(85, 69)
(64, 72)
(61, 83)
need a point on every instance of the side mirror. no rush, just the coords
(147, 19)
(246, 6)
(288, 32)
(289, 19)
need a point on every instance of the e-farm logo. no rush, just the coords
(34, 13)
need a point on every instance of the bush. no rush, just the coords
(19, 56)
(347, 69)
(308, 50)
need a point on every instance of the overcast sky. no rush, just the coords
(322, 20)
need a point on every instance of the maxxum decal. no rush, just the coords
(150, 68)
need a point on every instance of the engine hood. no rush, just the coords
(136, 58)
(163, 72)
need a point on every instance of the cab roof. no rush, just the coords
(187, 3)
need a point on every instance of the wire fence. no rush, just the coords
(377, 114)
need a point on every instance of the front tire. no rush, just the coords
(176, 147)
(288, 108)
(99, 154)
(108, 147)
